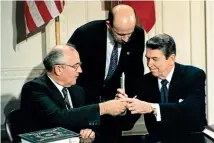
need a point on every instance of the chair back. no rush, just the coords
(13, 125)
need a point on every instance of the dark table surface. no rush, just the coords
(189, 138)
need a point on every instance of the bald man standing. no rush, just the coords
(107, 49)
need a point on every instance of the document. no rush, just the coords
(122, 81)
(209, 130)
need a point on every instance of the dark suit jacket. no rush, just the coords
(42, 104)
(90, 41)
(188, 84)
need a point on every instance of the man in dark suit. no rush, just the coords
(97, 43)
(54, 100)
(172, 96)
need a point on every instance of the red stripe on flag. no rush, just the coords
(43, 10)
(145, 10)
(29, 20)
(58, 5)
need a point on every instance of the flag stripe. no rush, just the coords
(58, 5)
(52, 8)
(38, 13)
(27, 30)
(37, 18)
(43, 10)
(28, 19)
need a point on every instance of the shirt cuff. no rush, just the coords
(158, 114)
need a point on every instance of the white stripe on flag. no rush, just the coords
(27, 30)
(37, 18)
(61, 3)
(52, 8)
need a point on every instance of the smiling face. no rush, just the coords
(158, 64)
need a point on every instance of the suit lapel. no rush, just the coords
(155, 89)
(77, 96)
(150, 91)
(55, 95)
(175, 83)
(73, 98)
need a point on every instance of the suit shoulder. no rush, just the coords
(92, 25)
(35, 81)
(35, 84)
(148, 78)
(190, 69)
(139, 29)
(148, 75)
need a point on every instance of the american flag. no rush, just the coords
(38, 13)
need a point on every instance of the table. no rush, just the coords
(188, 138)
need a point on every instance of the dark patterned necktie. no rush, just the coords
(164, 91)
(113, 62)
(65, 93)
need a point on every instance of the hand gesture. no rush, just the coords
(87, 134)
(137, 106)
(121, 94)
(113, 107)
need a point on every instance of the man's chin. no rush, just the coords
(121, 42)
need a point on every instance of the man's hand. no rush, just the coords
(137, 106)
(120, 94)
(112, 107)
(87, 134)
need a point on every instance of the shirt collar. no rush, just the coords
(110, 39)
(59, 87)
(169, 76)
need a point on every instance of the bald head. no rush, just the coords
(122, 16)
(121, 23)
(58, 55)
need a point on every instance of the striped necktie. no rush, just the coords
(65, 93)
(113, 61)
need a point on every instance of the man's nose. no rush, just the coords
(149, 63)
(79, 70)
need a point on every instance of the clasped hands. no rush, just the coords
(134, 105)
(122, 103)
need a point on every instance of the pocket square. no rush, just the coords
(180, 100)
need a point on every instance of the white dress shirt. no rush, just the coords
(59, 87)
(110, 45)
(155, 105)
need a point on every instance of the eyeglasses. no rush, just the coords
(75, 66)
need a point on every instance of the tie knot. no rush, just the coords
(164, 82)
(64, 91)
